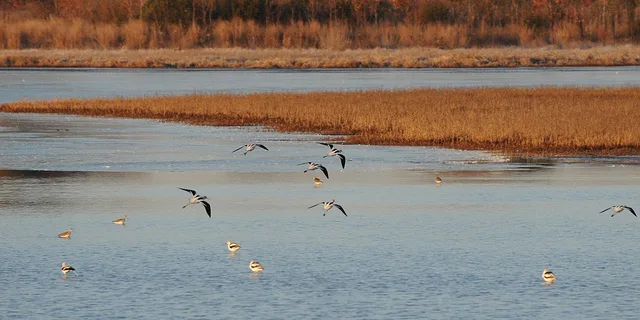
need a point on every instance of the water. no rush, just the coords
(473, 247)
(34, 84)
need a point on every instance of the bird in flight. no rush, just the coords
(617, 209)
(313, 166)
(326, 206)
(334, 152)
(250, 147)
(548, 276)
(196, 198)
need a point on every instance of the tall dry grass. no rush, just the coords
(543, 120)
(77, 33)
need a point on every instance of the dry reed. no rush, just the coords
(316, 58)
(57, 33)
(542, 120)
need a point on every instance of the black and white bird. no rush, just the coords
(313, 166)
(250, 147)
(67, 268)
(255, 266)
(548, 276)
(66, 234)
(617, 209)
(121, 220)
(326, 206)
(334, 152)
(232, 246)
(196, 198)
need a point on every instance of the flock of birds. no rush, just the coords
(195, 198)
(255, 266)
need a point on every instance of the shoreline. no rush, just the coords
(537, 122)
(504, 57)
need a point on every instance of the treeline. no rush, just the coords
(366, 23)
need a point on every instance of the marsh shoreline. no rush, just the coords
(504, 57)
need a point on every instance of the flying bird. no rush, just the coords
(255, 266)
(196, 198)
(617, 209)
(121, 220)
(250, 147)
(313, 166)
(326, 206)
(67, 268)
(66, 234)
(548, 276)
(334, 152)
(232, 246)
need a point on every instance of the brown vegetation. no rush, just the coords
(543, 120)
(76, 33)
(284, 58)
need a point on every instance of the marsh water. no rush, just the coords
(473, 247)
(38, 84)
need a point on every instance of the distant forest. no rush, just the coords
(368, 23)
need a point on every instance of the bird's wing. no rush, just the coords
(324, 170)
(631, 209)
(262, 146)
(207, 207)
(606, 209)
(193, 192)
(315, 205)
(340, 207)
(239, 148)
(326, 144)
(343, 159)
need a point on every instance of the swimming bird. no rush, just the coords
(255, 266)
(617, 209)
(317, 181)
(334, 152)
(232, 246)
(121, 220)
(548, 276)
(250, 147)
(438, 180)
(67, 268)
(313, 166)
(326, 206)
(196, 198)
(66, 234)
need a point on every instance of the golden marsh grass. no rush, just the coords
(540, 121)
(317, 58)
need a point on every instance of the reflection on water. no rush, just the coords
(18, 84)
(473, 247)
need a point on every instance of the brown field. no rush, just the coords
(548, 121)
(316, 58)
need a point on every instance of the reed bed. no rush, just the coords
(317, 58)
(78, 33)
(540, 121)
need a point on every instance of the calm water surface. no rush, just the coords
(36, 84)
(472, 248)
